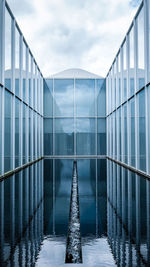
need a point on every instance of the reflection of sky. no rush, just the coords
(85, 97)
(63, 94)
(64, 125)
(85, 126)
(95, 252)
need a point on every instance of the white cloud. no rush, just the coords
(66, 33)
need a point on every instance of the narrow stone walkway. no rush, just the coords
(73, 246)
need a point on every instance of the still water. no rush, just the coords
(114, 206)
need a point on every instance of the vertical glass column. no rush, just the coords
(140, 45)
(131, 62)
(142, 131)
(8, 43)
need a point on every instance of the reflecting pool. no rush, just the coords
(114, 206)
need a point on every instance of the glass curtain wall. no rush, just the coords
(74, 117)
(132, 112)
(21, 94)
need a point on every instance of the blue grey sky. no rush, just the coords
(66, 34)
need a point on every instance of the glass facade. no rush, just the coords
(131, 103)
(81, 113)
(76, 110)
(21, 94)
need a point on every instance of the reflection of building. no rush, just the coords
(74, 102)
(66, 116)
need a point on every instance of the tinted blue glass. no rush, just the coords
(64, 136)
(85, 135)
(120, 133)
(85, 97)
(64, 97)
(149, 125)
(131, 86)
(101, 137)
(24, 133)
(29, 92)
(7, 55)
(17, 87)
(0, 127)
(132, 135)
(48, 99)
(8, 131)
(125, 135)
(24, 89)
(125, 89)
(119, 91)
(48, 136)
(34, 93)
(141, 67)
(101, 99)
(30, 136)
(17, 120)
(114, 93)
(142, 131)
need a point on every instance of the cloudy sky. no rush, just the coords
(66, 34)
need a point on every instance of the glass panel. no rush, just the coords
(24, 57)
(48, 136)
(24, 133)
(85, 129)
(17, 61)
(64, 95)
(7, 131)
(0, 129)
(8, 72)
(30, 92)
(48, 98)
(149, 126)
(124, 50)
(30, 140)
(85, 97)
(17, 119)
(141, 70)
(131, 62)
(101, 137)
(120, 127)
(33, 93)
(142, 131)
(64, 136)
(132, 134)
(125, 134)
(101, 99)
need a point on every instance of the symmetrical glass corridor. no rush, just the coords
(114, 214)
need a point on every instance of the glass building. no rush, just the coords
(70, 113)
(47, 123)
(21, 94)
(128, 96)
(75, 114)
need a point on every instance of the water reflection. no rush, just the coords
(128, 217)
(21, 210)
(114, 214)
